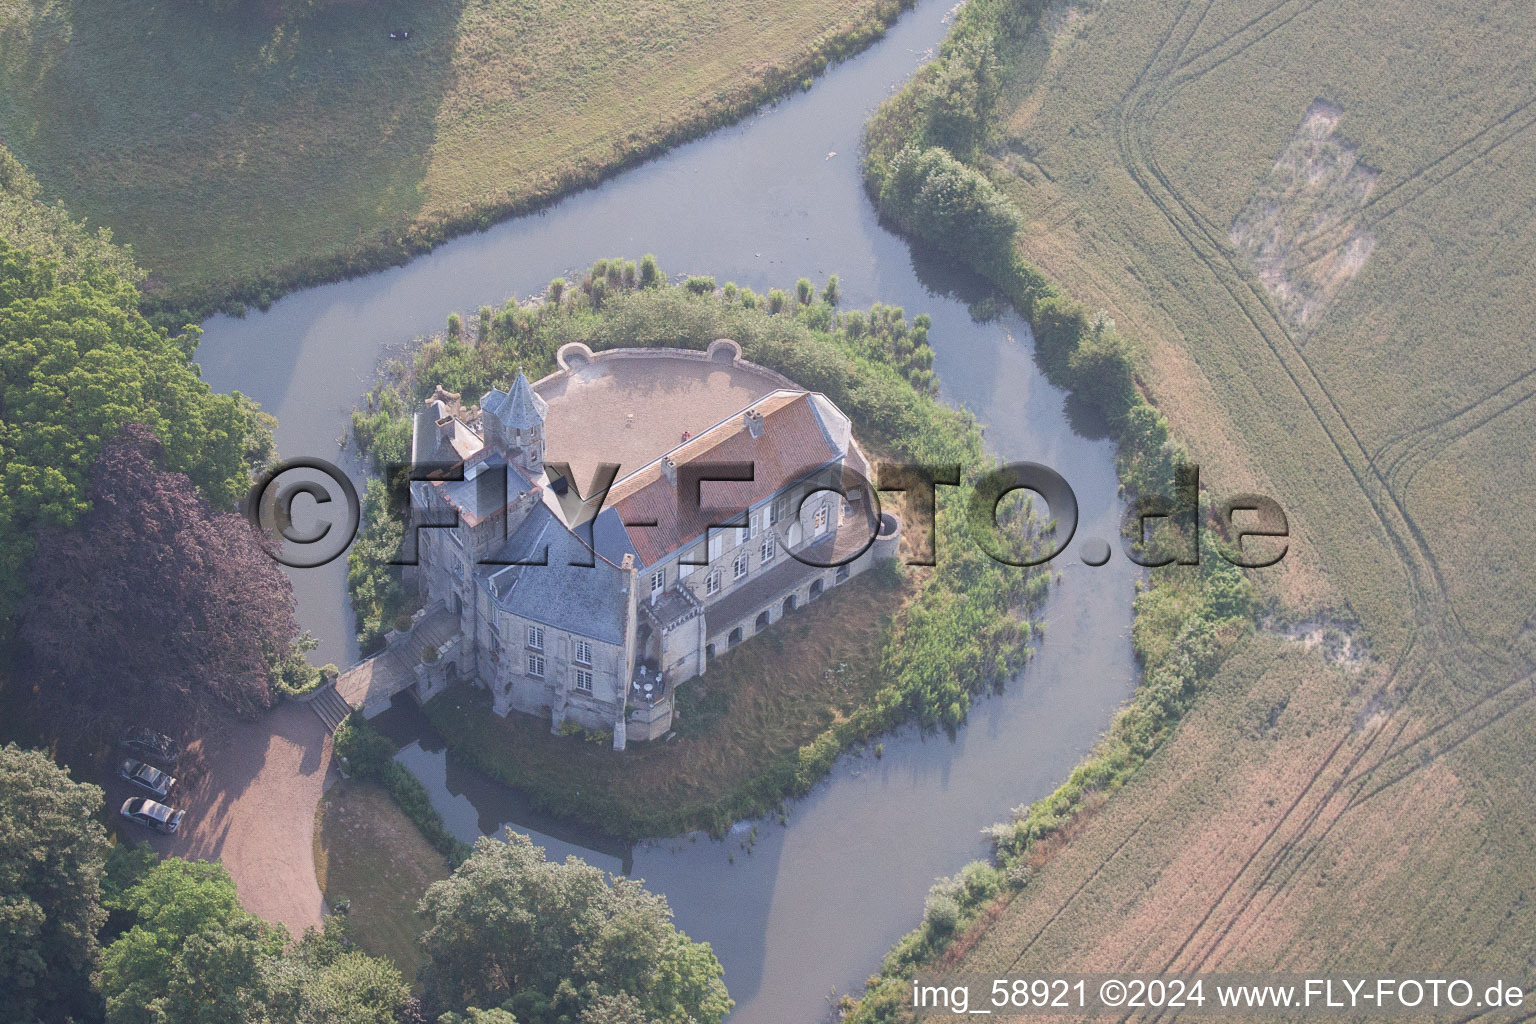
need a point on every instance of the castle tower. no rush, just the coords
(513, 424)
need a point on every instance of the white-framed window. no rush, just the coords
(536, 639)
(716, 545)
(756, 516)
(536, 664)
(658, 581)
(742, 533)
(687, 564)
(583, 652)
(777, 509)
(739, 567)
(584, 680)
(820, 520)
(769, 550)
(712, 584)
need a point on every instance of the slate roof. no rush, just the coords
(794, 442)
(589, 597)
(519, 408)
(482, 494)
(610, 538)
(428, 446)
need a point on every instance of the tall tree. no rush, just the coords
(158, 605)
(549, 942)
(193, 956)
(325, 980)
(77, 362)
(52, 852)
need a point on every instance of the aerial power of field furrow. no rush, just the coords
(531, 512)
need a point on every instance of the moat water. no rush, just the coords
(809, 911)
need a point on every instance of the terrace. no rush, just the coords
(631, 407)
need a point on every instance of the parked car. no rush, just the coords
(147, 776)
(151, 744)
(143, 811)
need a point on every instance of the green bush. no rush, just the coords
(941, 200)
(370, 755)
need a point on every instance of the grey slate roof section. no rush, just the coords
(482, 493)
(610, 538)
(583, 598)
(518, 409)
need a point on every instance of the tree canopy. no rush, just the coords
(158, 605)
(940, 199)
(52, 852)
(78, 361)
(549, 942)
(194, 956)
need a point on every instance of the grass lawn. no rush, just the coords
(368, 852)
(239, 155)
(739, 729)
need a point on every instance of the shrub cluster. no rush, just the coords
(931, 194)
(373, 582)
(370, 755)
(1184, 622)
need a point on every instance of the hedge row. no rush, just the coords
(370, 755)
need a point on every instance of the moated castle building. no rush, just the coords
(591, 611)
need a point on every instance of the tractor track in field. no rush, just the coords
(1141, 102)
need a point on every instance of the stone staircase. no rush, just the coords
(329, 706)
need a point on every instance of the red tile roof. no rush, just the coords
(792, 444)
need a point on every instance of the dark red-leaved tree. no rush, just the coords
(157, 608)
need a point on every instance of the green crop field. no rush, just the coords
(1315, 218)
(239, 154)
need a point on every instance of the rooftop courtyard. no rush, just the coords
(633, 406)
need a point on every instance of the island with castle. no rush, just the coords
(590, 607)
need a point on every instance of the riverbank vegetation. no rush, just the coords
(368, 754)
(1269, 214)
(962, 628)
(189, 128)
(546, 942)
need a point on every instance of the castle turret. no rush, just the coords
(513, 424)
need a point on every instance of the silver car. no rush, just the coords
(144, 811)
(146, 776)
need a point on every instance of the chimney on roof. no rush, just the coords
(445, 430)
(669, 469)
(450, 400)
(629, 561)
(754, 422)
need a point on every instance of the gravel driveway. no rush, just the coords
(255, 810)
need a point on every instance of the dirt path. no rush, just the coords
(255, 810)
